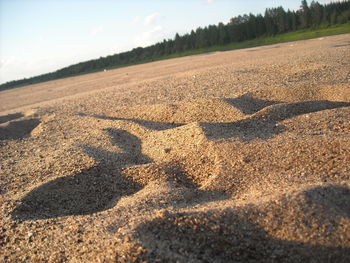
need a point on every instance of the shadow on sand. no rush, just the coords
(227, 236)
(92, 190)
(249, 105)
(18, 129)
(152, 125)
(10, 117)
(129, 144)
(95, 189)
(87, 192)
(264, 124)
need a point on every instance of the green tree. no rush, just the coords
(260, 25)
(222, 34)
(271, 28)
(305, 14)
(281, 19)
(178, 43)
(316, 13)
(333, 18)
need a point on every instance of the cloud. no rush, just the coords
(96, 30)
(2, 63)
(151, 19)
(329, 1)
(136, 20)
(208, 2)
(17, 68)
(149, 37)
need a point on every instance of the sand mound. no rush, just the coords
(253, 233)
(214, 191)
(197, 110)
(239, 171)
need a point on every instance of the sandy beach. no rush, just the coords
(236, 156)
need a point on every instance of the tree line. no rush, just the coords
(274, 21)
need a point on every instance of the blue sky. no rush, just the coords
(39, 36)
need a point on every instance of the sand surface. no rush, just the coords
(239, 156)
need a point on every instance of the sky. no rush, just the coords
(41, 36)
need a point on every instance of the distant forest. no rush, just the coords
(274, 21)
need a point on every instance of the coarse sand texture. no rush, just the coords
(234, 156)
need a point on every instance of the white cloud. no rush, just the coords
(96, 30)
(330, 1)
(149, 37)
(136, 20)
(151, 19)
(17, 68)
(14, 68)
(208, 2)
(41, 38)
